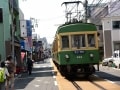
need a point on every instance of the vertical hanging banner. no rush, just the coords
(29, 32)
(22, 44)
(29, 27)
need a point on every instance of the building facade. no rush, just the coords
(9, 21)
(106, 18)
(111, 34)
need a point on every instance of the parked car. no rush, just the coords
(116, 57)
(117, 63)
(107, 61)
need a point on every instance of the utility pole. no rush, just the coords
(85, 5)
(12, 25)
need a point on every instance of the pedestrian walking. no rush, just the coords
(11, 69)
(29, 65)
(4, 74)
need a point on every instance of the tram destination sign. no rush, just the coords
(79, 51)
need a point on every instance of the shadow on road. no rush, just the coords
(25, 79)
(108, 76)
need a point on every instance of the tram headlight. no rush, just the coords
(67, 56)
(91, 55)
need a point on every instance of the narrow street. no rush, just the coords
(46, 77)
(42, 78)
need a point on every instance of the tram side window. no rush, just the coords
(78, 41)
(65, 42)
(91, 40)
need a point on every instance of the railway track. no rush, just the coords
(86, 84)
(91, 83)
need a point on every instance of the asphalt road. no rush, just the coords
(42, 78)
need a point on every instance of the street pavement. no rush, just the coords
(109, 73)
(42, 78)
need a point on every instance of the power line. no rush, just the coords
(105, 5)
(112, 11)
(95, 5)
(92, 2)
(113, 5)
(52, 18)
(98, 11)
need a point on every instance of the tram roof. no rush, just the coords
(75, 27)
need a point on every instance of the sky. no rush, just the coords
(48, 13)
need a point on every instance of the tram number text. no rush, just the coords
(79, 56)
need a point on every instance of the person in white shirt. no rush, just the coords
(6, 74)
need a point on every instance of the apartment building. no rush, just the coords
(106, 16)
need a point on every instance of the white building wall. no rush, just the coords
(115, 35)
(106, 24)
(115, 32)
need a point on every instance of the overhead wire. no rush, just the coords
(114, 4)
(52, 18)
(97, 6)
(98, 11)
(111, 7)
(92, 2)
(97, 3)
(104, 6)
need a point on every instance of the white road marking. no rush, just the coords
(116, 68)
(36, 85)
(42, 71)
(54, 76)
(55, 82)
(42, 66)
(38, 80)
(109, 81)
